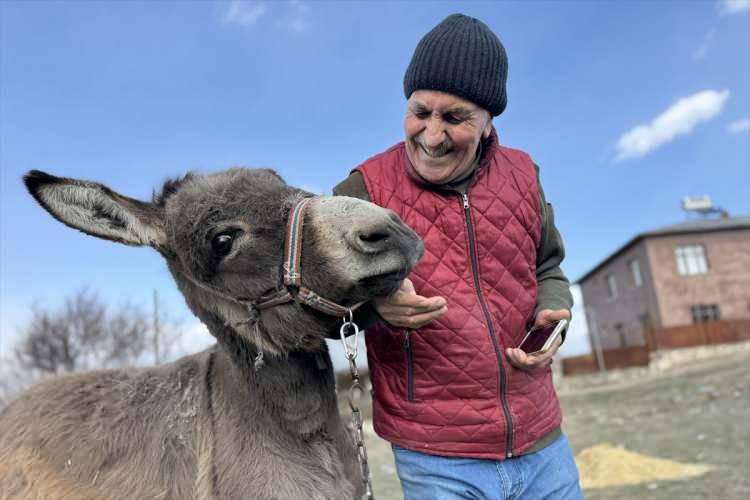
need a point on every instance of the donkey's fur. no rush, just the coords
(209, 425)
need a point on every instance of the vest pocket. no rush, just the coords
(409, 366)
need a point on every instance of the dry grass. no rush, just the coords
(607, 466)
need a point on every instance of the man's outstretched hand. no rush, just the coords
(530, 362)
(407, 309)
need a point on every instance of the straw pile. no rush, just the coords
(605, 465)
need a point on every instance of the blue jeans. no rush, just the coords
(550, 473)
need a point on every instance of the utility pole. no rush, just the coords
(596, 342)
(156, 330)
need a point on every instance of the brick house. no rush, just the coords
(698, 270)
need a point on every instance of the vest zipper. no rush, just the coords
(498, 356)
(409, 367)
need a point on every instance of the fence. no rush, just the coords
(705, 333)
(660, 339)
(613, 359)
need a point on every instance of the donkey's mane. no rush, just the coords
(170, 187)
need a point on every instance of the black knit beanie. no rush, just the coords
(463, 57)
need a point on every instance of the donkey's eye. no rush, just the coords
(222, 244)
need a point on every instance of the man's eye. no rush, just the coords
(422, 115)
(453, 119)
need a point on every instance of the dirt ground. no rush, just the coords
(695, 413)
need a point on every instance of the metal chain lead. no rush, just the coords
(355, 393)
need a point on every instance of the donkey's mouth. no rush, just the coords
(385, 283)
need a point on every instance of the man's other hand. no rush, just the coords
(531, 362)
(406, 308)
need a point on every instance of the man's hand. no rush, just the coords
(531, 362)
(406, 308)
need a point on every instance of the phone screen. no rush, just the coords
(537, 336)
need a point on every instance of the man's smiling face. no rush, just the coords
(442, 134)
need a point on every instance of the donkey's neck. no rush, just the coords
(296, 390)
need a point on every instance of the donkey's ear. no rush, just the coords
(97, 210)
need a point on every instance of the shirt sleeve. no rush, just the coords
(353, 186)
(553, 286)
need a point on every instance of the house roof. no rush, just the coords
(687, 227)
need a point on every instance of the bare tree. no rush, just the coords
(81, 336)
(84, 334)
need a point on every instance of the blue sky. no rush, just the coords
(626, 106)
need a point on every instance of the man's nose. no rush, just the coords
(434, 133)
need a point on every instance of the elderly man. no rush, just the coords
(469, 414)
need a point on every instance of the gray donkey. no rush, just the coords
(255, 416)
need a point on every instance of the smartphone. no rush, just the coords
(539, 339)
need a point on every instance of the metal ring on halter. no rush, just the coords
(349, 350)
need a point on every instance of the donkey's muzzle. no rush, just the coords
(384, 232)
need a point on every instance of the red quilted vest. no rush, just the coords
(447, 388)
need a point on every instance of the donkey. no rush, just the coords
(254, 416)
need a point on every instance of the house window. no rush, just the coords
(635, 271)
(691, 260)
(611, 287)
(704, 312)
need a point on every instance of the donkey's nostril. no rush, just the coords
(371, 240)
(373, 237)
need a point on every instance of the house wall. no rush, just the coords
(727, 282)
(633, 305)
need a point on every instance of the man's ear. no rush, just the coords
(98, 211)
(487, 128)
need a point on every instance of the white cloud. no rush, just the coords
(734, 6)
(297, 20)
(295, 17)
(702, 51)
(739, 126)
(679, 119)
(246, 14)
